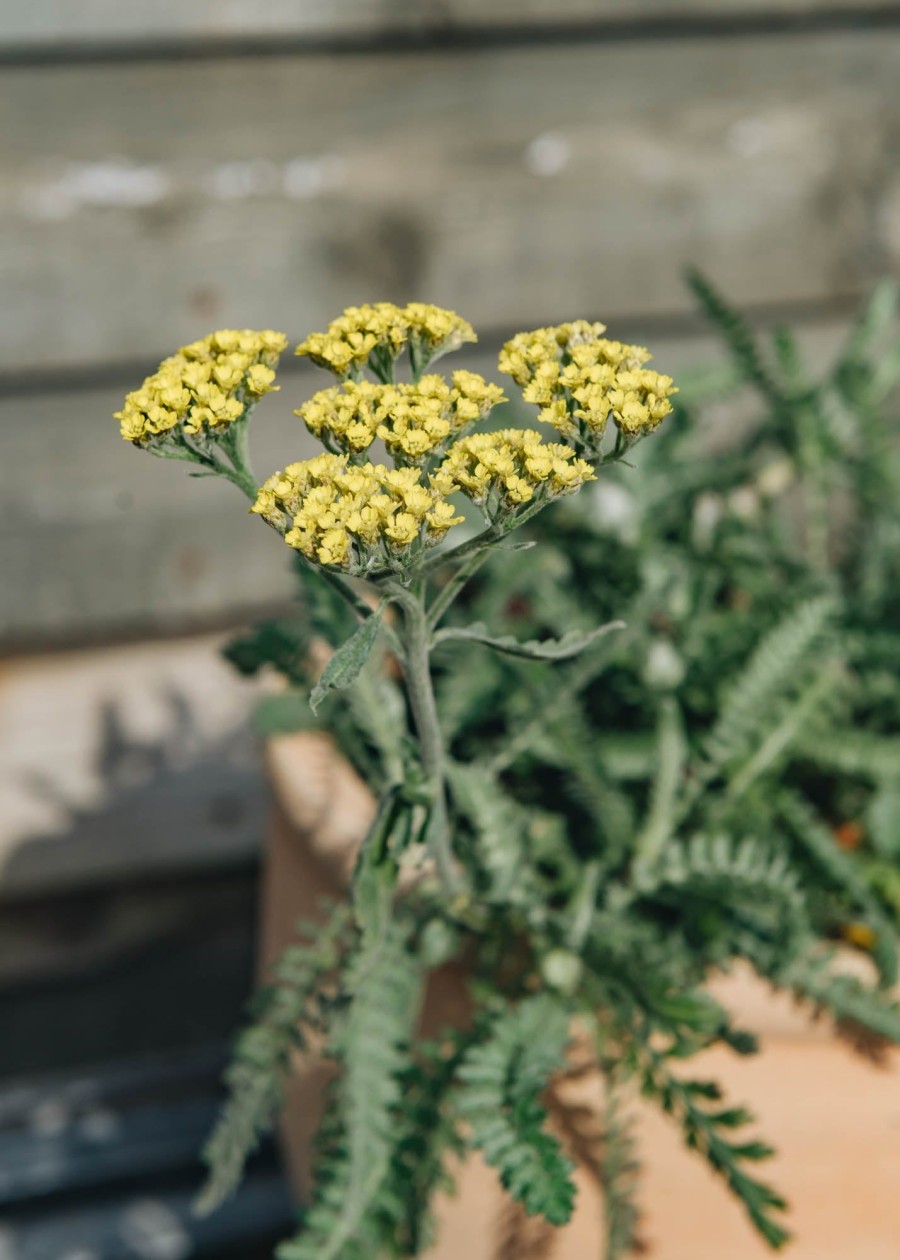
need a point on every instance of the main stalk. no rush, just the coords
(417, 668)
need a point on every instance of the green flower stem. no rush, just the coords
(584, 905)
(235, 441)
(454, 586)
(417, 667)
(241, 477)
(487, 537)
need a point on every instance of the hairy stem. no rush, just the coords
(485, 538)
(417, 663)
(242, 478)
(241, 475)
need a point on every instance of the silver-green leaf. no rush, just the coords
(571, 644)
(348, 660)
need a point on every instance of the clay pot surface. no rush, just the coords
(834, 1118)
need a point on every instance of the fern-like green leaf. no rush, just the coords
(255, 1078)
(857, 752)
(326, 1231)
(810, 977)
(572, 643)
(344, 1221)
(780, 740)
(737, 336)
(384, 981)
(707, 1129)
(500, 1083)
(759, 884)
(500, 827)
(670, 756)
(777, 666)
(425, 1132)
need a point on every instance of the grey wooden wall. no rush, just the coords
(176, 165)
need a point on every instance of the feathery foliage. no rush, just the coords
(499, 1098)
(291, 1004)
(708, 1128)
(595, 823)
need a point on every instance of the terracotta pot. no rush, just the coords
(834, 1118)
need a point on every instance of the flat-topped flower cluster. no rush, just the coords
(511, 466)
(413, 420)
(580, 379)
(340, 509)
(357, 517)
(203, 388)
(375, 335)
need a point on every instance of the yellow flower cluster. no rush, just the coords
(382, 330)
(513, 466)
(529, 352)
(359, 517)
(205, 386)
(413, 421)
(579, 379)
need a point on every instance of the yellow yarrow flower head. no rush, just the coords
(372, 331)
(510, 467)
(580, 379)
(434, 331)
(521, 357)
(374, 335)
(413, 420)
(346, 417)
(427, 415)
(203, 388)
(363, 518)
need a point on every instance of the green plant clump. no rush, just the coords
(631, 742)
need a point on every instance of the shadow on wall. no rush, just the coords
(179, 799)
(123, 763)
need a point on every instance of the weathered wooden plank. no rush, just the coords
(96, 537)
(95, 533)
(107, 1160)
(82, 1158)
(73, 932)
(108, 22)
(157, 1220)
(142, 203)
(184, 994)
